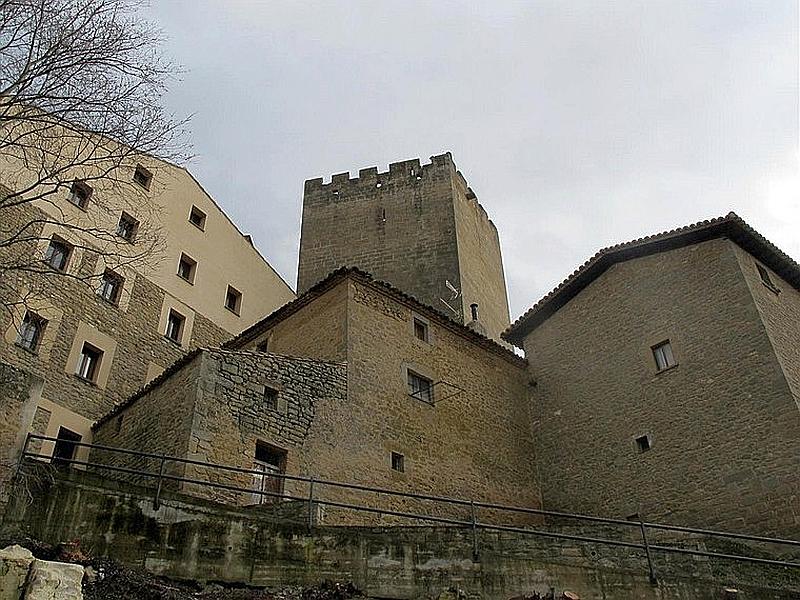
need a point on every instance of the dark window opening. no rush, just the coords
(270, 464)
(186, 268)
(197, 218)
(420, 330)
(233, 300)
(119, 423)
(127, 227)
(765, 278)
(57, 254)
(263, 345)
(271, 397)
(143, 177)
(110, 286)
(420, 387)
(89, 362)
(79, 194)
(65, 447)
(175, 322)
(663, 355)
(398, 462)
(31, 331)
(643, 443)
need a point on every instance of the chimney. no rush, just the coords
(476, 325)
(474, 308)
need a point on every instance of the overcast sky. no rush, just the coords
(578, 124)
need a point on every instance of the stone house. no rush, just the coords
(95, 332)
(354, 381)
(667, 377)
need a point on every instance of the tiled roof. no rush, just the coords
(352, 272)
(731, 226)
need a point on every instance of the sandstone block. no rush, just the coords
(54, 581)
(14, 564)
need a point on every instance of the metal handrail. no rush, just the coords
(473, 523)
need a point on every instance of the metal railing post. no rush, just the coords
(650, 567)
(157, 499)
(22, 456)
(311, 505)
(474, 531)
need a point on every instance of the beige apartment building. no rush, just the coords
(101, 315)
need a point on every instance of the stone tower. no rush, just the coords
(417, 227)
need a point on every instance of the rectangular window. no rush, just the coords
(233, 300)
(263, 345)
(31, 331)
(110, 286)
(664, 356)
(420, 387)
(269, 464)
(89, 362)
(57, 254)
(79, 194)
(197, 218)
(643, 443)
(420, 330)
(143, 177)
(65, 447)
(175, 322)
(398, 462)
(186, 268)
(270, 397)
(127, 227)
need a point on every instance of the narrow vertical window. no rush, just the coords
(233, 300)
(186, 268)
(398, 462)
(765, 278)
(270, 397)
(175, 322)
(127, 227)
(643, 443)
(662, 353)
(110, 288)
(89, 362)
(143, 177)
(31, 331)
(269, 464)
(420, 387)
(79, 194)
(197, 218)
(57, 254)
(66, 446)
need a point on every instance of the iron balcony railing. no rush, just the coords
(314, 486)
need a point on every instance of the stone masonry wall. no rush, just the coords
(480, 262)
(134, 328)
(158, 422)
(18, 396)
(200, 540)
(402, 232)
(724, 429)
(780, 313)
(233, 415)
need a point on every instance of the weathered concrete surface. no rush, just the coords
(192, 538)
(14, 564)
(54, 581)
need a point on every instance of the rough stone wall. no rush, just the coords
(317, 331)
(473, 443)
(480, 262)
(780, 313)
(135, 329)
(232, 415)
(18, 396)
(191, 538)
(158, 422)
(724, 430)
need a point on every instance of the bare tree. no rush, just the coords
(81, 105)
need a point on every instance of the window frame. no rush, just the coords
(115, 278)
(181, 327)
(88, 368)
(80, 185)
(147, 177)
(397, 461)
(427, 395)
(201, 224)
(643, 443)
(127, 219)
(237, 307)
(67, 255)
(186, 259)
(659, 352)
(38, 325)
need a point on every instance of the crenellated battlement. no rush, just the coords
(411, 170)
